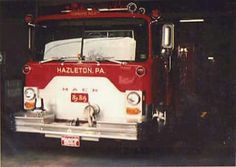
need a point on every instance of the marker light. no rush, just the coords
(133, 98)
(28, 18)
(26, 69)
(132, 111)
(156, 14)
(140, 71)
(29, 105)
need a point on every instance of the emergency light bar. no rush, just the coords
(131, 7)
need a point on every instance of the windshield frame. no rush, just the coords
(145, 19)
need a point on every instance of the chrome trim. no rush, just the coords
(46, 125)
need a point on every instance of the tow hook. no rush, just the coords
(75, 122)
(91, 111)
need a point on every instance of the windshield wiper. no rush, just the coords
(73, 58)
(82, 41)
(110, 59)
(58, 59)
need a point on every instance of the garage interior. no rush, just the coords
(211, 43)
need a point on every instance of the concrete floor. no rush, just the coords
(31, 151)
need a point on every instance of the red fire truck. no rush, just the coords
(97, 74)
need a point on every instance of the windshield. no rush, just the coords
(92, 39)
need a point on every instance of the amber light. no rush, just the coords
(132, 111)
(29, 105)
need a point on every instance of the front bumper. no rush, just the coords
(46, 124)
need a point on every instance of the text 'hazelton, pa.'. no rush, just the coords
(80, 70)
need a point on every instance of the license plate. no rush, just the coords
(79, 97)
(70, 141)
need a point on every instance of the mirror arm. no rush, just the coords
(29, 38)
(167, 58)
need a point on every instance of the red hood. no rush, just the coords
(123, 76)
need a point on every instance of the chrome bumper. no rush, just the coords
(45, 124)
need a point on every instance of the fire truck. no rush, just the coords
(97, 73)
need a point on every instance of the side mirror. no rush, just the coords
(168, 36)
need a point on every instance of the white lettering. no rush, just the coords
(80, 70)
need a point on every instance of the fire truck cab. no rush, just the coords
(94, 74)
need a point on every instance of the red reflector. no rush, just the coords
(155, 13)
(140, 71)
(26, 69)
(28, 18)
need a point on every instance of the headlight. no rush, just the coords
(29, 93)
(133, 98)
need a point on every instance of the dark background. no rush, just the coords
(213, 81)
